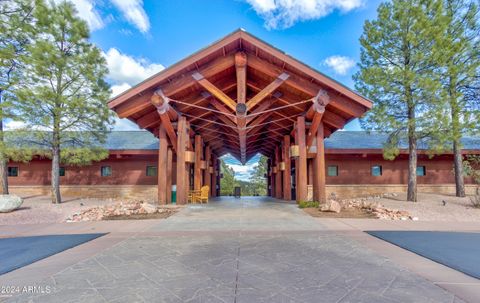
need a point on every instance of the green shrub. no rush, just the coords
(307, 204)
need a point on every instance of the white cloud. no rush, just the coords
(86, 11)
(11, 125)
(340, 64)
(124, 69)
(119, 88)
(285, 13)
(133, 11)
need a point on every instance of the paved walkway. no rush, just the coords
(246, 250)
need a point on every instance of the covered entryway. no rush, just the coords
(240, 96)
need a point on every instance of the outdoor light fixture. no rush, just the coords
(294, 151)
(275, 170)
(210, 169)
(203, 164)
(189, 156)
(281, 165)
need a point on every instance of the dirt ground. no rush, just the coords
(345, 213)
(430, 207)
(39, 209)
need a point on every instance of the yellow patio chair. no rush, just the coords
(204, 191)
(194, 196)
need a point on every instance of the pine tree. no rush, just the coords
(63, 97)
(16, 20)
(396, 73)
(258, 176)
(458, 71)
(228, 182)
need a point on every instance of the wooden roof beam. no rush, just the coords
(267, 90)
(161, 103)
(214, 90)
(301, 84)
(241, 107)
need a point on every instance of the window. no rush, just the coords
(332, 171)
(421, 171)
(13, 171)
(106, 171)
(61, 171)
(376, 170)
(151, 171)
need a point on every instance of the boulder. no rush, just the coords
(9, 203)
(332, 206)
(149, 208)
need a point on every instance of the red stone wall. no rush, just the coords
(131, 170)
(356, 169)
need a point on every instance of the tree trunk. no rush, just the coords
(458, 167)
(3, 159)
(56, 198)
(412, 156)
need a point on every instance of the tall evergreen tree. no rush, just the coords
(396, 73)
(258, 176)
(16, 24)
(227, 183)
(458, 72)
(63, 95)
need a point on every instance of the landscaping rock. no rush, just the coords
(9, 203)
(120, 209)
(332, 206)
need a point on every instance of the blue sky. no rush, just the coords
(140, 38)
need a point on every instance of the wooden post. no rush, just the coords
(319, 186)
(169, 172)
(182, 137)
(213, 190)
(272, 176)
(162, 165)
(278, 175)
(197, 181)
(287, 187)
(302, 161)
(207, 177)
(269, 182)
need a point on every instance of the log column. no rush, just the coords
(302, 187)
(182, 137)
(207, 177)
(278, 175)
(162, 165)
(320, 180)
(213, 190)
(197, 178)
(169, 173)
(269, 182)
(287, 187)
(272, 176)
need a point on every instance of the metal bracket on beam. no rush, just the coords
(163, 107)
(320, 101)
(197, 76)
(283, 76)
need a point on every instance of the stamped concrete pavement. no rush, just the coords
(238, 250)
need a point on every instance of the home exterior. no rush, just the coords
(354, 167)
(241, 96)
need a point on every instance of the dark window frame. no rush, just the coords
(424, 169)
(102, 171)
(381, 171)
(60, 171)
(151, 167)
(9, 170)
(336, 171)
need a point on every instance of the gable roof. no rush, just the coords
(206, 88)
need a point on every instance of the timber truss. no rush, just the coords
(242, 96)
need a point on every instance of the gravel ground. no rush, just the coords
(39, 209)
(430, 207)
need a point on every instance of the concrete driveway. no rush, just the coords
(231, 250)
